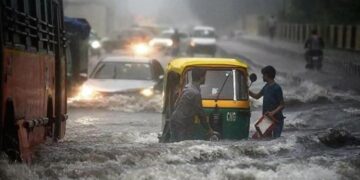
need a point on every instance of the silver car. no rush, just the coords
(123, 75)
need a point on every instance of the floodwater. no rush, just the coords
(116, 138)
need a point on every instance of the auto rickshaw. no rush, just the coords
(225, 96)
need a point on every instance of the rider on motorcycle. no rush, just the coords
(314, 45)
(176, 42)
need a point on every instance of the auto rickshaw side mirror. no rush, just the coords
(253, 77)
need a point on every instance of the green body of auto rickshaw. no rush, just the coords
(224, 94)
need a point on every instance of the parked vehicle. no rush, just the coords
(78, 31)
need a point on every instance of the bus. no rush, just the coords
(77, 52)
(33, 75)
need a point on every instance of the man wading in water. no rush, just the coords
(187, 107)
(273, 101)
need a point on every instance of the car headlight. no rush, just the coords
(87, 92)
(141, 49)
(152, 43)
(169, 43)
(147, 92)
(95, 44)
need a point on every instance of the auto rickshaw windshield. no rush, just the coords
(234, 82)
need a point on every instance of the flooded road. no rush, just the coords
(116, 138)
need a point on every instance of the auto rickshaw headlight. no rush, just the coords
(147, 92)
(95, 45)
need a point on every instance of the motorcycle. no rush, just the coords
(314, 60)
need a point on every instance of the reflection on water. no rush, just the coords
(123, 103)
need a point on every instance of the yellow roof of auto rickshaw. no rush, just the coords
(179, 65)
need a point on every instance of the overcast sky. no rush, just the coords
(165, 11)
(145, 7)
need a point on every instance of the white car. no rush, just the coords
(202, 41)
(163, 40)
(123, 75)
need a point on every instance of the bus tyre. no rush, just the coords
(10, 137)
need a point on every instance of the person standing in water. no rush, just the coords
(273, 100)
(188, 107)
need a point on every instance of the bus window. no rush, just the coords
(32, 8)
(8, 36)
(8, 3)
(43, 26)
(33, 24)
(50, 21)
(20, 25)
(43, 10)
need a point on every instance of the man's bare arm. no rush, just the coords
(278, 109)
(255, 95)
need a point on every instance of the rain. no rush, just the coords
(121, 96)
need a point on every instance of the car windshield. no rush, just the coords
(234, 88)
(133, 33)
(123, 70)
(93, 36)
(204, 34)
(165, 35)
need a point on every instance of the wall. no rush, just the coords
(344, 37)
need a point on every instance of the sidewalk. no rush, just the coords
(348, 60)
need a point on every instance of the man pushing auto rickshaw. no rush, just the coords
(187, 107)
(205, 99)
(220, 103)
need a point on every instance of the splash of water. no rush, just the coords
(122, 103)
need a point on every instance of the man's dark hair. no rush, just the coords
(197, 73)
(269, 71)
(314, 32)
